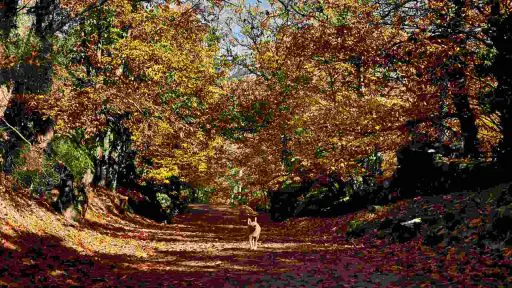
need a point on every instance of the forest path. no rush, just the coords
(214, 248)
(208, 247)
(205, 247)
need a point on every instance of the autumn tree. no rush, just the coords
(337, 81)
(151, 67)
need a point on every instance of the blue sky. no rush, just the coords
(264, 2)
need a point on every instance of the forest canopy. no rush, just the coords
(242, 97)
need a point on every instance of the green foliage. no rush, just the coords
(237, 195)
(74, 157)
(342, 19)
(19, 160)
(26, 177)
(213, 37)
(203, 195)
(360, 186)
(236, 199)
(22, 45)
(251, 120)
(355, 228)
(262, 204)
(372, 163)
(487, 56)
(39, 182)
(321, 153)
(164, 200)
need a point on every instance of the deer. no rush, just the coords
(254, 233)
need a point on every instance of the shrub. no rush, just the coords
(159, 201)
(40, 182)
(74, 157)
(203, 195)
(167, 205)
(355, 228)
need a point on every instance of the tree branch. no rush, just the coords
(17, 132)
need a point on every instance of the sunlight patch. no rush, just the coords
(200, 263)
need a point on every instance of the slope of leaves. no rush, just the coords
(208, 247)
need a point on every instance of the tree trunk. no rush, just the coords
(102, 160)
(8, 11)
(460, 98)
(44, 11)
(466, 119)
(501, 36)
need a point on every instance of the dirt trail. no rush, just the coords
(206, 247)
(286, 255)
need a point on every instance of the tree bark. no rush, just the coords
(501, 36)
(8, 11)
(460, 97)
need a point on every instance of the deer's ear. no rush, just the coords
(248, 220)
(255, 220)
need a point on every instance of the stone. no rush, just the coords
(434, 235)
(386, 223)
(374, 208)
(502, 219)
(405, 231)
(412, 222)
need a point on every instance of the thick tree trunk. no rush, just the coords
(114, 156)
(468, 127)
(45, 17)
(460, 97)
(8, 11)
(501, 36)
(103, 155)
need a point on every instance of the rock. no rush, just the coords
(386, 223)
(434, 235)
(355, 229)
(502, 219)
(374, 208)
(405, 231)
(412, 222)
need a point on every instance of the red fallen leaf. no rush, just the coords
(142, 235)
(507, 252)
(72, 282)
(475, 222)
(8, 245)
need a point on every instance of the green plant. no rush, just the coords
(204, 194)
(73, 156)
(22, 45)
(355, 228)
(164, 200)
(39, 182)
(19, 159)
